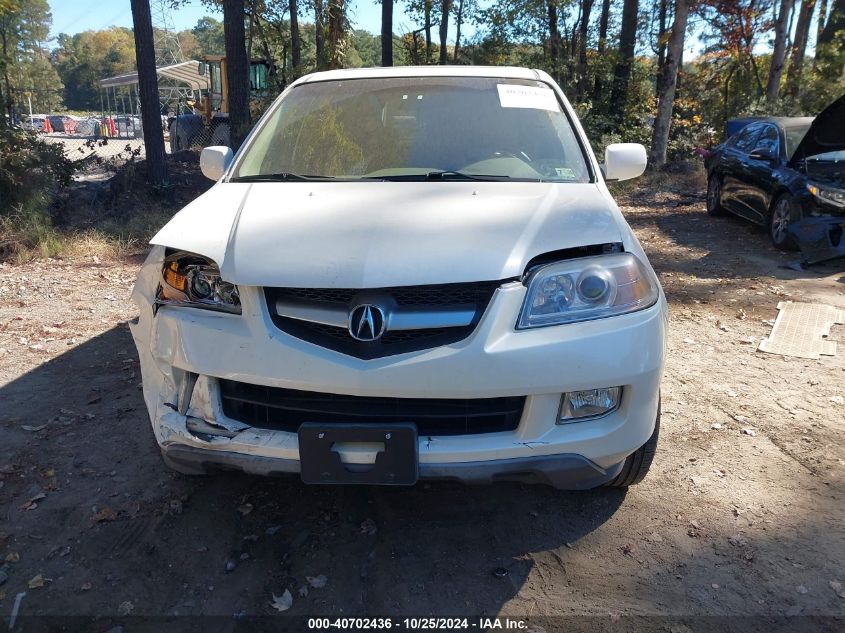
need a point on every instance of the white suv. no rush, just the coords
(407, 273)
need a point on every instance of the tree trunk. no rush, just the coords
(145, 56)
(583, 34)
(387, 32)
(835, 23)
(459, 18)
(8, 105)
(554, 40)
(445, 8)
(622, 72)
(666, 85)
(237, 70)
(604, 19)
(778, 51)
(427, 10)
(319, 35)
(336, 19)
(415, 51)
(799, 48)
(295, 39)
(661, 30)
(822, 19)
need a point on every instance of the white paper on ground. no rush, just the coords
(514, 96)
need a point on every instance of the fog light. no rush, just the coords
(590, 403)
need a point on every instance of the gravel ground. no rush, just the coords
(741, 515)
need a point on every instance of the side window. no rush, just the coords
(745, 139)
(768, 140)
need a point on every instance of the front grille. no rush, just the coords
(430, 295)
(476, 294)
(286, 409)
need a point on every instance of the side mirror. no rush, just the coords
(215, 160)
(623, 161)
(202, 67)
(763, 154)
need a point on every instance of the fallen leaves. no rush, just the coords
(105, 514)
(737, 540)
(317, 582)
(837, 588)
(37, 581)
(283, 602)
(126, 607)
(32, 502)
(35, 429)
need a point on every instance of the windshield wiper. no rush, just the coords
(278, 177)
(450, 175)
(460, 175)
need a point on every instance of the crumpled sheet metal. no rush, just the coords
(819, 238)
(800, 330)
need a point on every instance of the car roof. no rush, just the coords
(786, 121)
(506, 72)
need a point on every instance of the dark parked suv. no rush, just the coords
(784, 173)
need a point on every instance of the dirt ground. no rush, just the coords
(728, 523)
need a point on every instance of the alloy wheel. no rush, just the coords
(781, 217)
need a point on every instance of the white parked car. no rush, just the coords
(407, 273)
(34, 122)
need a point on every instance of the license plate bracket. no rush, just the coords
(396, 465)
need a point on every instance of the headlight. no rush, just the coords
(836, 197)
(194, 281)
(585, 289)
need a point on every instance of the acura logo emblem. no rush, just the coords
(366, 322)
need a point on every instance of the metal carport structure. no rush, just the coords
(176, 84)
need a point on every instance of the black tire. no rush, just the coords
(637, 464)
(782, 214)
(182, 469)
(183, 132)
(714, 196)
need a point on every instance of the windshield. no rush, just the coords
(793, 137)
(409, 128)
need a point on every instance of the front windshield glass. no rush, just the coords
(793, 137)
(410, 128)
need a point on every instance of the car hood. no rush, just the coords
(382, 234)
(826, 133)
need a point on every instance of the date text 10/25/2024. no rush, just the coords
(418, 624)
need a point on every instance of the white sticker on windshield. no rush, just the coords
(513, 96)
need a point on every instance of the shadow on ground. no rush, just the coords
(116, 526)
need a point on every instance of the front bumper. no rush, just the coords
(820, 237)
(495, 360)
(571, 472)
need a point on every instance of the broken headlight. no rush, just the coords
(835, 197)
(587, 288)
(194, 281)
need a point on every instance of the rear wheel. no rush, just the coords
(783, 214)
(637, 464)
(714, 196)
